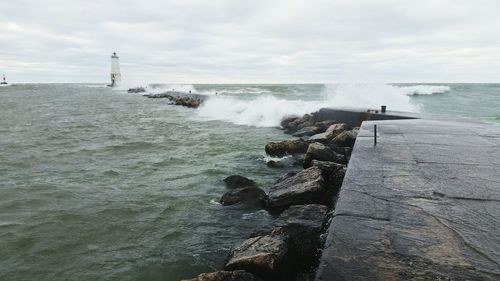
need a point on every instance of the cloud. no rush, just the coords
(252, 41)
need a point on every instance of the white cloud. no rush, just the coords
(252, 41)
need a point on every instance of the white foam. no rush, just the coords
(268, 110)
(425, 89)
(264, 111)
(370, 96)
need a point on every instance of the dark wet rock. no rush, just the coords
(136, 90)
(318, 151)
(346, 138)
(286, 176)
(336, 129)
(249, 194)
(186, 101)
(306, 187)
(333, 173)
(261, 255)
(237, 275)
(338, 149)
(274, 164)
(236, 181)
(285, 122)
(286, 147)
(307, 131)
(293, 124)
(303, 225)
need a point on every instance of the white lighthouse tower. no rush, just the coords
(116, 77)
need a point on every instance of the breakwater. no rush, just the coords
(422, 204)
(388, 212)
(301, 202)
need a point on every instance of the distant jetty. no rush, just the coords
(186, 99)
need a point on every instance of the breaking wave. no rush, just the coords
(264, 111)
(267, 110)
(425, 89)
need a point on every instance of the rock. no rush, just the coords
(237, 181)
(294, 124)
(324, 125)
(245, 194)
(286, 147)
(318, 151)
(187, 101)
(286, 176)
(306, 187)
(322, 138)
(274, 164)
(303, 225)
(237, 275)
(307, 131)
(335, 129)
(136, 90)
(346, 138)
(327, 166)
(287, 120)
(261, 255)
(333, 174)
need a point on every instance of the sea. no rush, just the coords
(100, 184)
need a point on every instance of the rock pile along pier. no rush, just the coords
(421, 204)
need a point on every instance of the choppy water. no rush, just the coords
(98, 184)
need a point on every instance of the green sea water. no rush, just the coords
(100, 184)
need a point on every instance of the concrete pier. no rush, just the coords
(423, 204)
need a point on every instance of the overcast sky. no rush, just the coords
(223, 41)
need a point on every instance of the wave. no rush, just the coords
(264, 111)
(425, 89)
(268, 110)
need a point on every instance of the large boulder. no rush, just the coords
(248, 194)
(237, 275)
(333, 173)
(286, 176)
(335, 129)
(237, 181)
(286, 147)
(346, 138)
(318, 151)
(321, 138)
(285, 122)
(186, 101)
(306, 187)
(293, 124)
(303, 225)
(261, 255)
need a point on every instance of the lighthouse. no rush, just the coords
(116, 77)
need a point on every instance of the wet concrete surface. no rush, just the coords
(423, 204)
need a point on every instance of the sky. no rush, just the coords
(224, 41)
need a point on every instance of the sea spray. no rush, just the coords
(268, 110)
(424, 89)
(264, 111)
